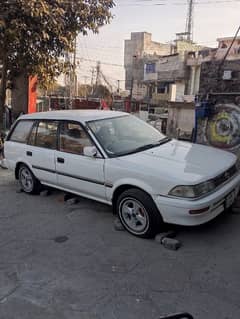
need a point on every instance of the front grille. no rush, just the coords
(224, 177)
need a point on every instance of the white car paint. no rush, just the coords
(171, 164)
(156, 171)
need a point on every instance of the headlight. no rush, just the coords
(192, 191)
(183, 191)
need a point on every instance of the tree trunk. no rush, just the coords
(20, 95)
(3, 85)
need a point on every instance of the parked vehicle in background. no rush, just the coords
(117, 159)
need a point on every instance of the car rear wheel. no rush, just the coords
(138, 213)
(28, 182)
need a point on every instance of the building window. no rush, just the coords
(235, 74)
(150, 68)
(162, 88)
(204, 53)
(223, 46)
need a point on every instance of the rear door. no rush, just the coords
(41, 150)
(15, 148)
(75, 171)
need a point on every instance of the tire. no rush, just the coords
(28, 182)
(138, 213)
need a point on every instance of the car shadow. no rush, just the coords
(225, 223)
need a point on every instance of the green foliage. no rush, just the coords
(34, 34)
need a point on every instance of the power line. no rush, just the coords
(106, 63)
(208, 2)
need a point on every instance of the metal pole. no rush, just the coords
(85, 84)
(189, 25)
(131, 93)
(92, 81)
(132, 81)
(73, 78)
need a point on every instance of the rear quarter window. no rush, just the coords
(21, 131)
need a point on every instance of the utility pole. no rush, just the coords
(189, 21)
(85, 84)
(132, 81)
(92, 78)
(67, 81)
(131, 93)
(98, 68)
(74, 76)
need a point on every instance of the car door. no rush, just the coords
(15, 148)
(41, 150)
(75, 171)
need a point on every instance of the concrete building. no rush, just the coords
(223, 46)
(135, 50)
(209, 73)
(171, 81)
(167, 77)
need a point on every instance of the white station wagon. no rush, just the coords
(117, 159)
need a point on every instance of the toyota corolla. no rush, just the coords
(117, 159)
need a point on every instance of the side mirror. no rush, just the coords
(90, 151)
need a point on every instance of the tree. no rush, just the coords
(54, 89)
(35, 34)
(101, 91)
(84, 90)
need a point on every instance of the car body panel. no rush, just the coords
(81, 174)
(176, 211)
(82, 116)
(160, 169)
(156, 171)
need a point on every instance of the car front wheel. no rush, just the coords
(138, 213)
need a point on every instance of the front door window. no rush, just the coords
(73, 138)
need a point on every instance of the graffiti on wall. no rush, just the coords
(222, 128)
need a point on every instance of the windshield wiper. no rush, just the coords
(147, 146)
(151, 145)
(164, 140)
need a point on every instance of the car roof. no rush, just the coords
(74, 115)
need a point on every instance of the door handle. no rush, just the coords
(60, 160)
(29, 153)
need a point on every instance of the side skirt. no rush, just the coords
(78, 193)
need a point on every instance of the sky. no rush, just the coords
(162, 18)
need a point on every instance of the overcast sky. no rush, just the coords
(162, 18)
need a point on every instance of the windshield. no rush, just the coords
(125, 135)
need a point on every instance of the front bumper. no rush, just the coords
(176, 211)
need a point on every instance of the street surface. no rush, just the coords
(100, 273)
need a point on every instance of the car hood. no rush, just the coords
(182, 161)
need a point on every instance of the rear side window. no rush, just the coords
(46, 134)
(21, 131)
